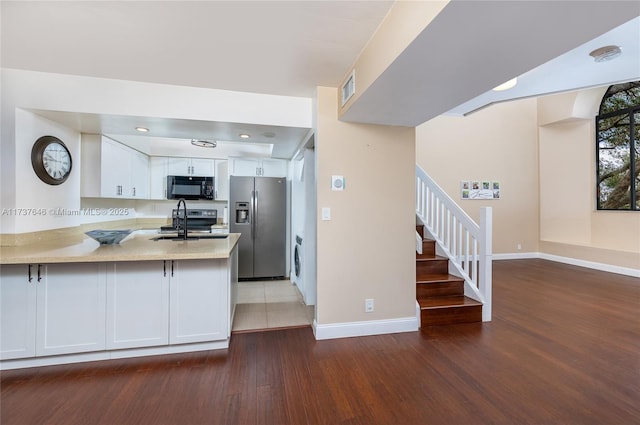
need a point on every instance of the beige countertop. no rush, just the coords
(137, 247)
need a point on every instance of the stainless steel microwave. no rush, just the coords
(190, 187)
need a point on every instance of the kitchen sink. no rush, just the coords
(190, 238)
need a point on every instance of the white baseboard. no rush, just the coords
(113, 354)
(627, 271)
(371, 327)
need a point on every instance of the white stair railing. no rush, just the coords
(467, 244)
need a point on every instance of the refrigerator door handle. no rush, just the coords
(255, 215)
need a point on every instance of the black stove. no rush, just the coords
(197, 220)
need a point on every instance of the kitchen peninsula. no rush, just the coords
(72, 300)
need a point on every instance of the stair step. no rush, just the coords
(437, 278)
(420, 230)
(431, 265)
(428, 249)
(439, 289)
(449, 310)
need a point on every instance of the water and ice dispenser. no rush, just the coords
(242, 212)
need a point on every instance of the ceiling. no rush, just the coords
(291, 47)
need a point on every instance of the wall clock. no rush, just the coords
(51, 160)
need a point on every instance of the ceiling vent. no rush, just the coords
(349, 87)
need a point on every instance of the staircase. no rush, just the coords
(440, 294)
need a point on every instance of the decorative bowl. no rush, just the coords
(109, 237)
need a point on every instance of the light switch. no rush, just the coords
(326, 213)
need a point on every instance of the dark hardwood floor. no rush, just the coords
(563, 348)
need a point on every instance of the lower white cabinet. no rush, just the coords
(137, 304)
(56, 309)
(199, 301)
(60, 311)
(17, 312)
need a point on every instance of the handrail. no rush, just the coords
(467, 244)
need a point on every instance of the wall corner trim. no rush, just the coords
(370, 327)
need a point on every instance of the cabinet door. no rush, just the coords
(137, 304)
(179, 166)
(274, 168)
(158, 177)
(115, 166)
(17, 312)
(139, 176)
(199, 301)
(222, 180)
(202, 167)
(70, 308)
(245, 167)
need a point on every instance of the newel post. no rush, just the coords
(486, 253)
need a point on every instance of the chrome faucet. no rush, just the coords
(184, 220)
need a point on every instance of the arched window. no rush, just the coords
(618, 148)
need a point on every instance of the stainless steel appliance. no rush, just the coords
(190, 187)
(197, 220)
(258, 212)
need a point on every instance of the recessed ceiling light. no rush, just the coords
(606, 53)
(244, 136)
(269, 134)
(204, 143)
(142, 129)
(506, 86)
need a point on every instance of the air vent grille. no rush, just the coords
(349, 87)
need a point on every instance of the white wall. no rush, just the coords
(30, 191)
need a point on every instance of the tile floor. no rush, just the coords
(270, 304)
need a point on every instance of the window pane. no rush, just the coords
(636, 152)
(614, 173)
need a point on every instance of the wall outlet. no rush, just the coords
(368, 305)
(519, 247)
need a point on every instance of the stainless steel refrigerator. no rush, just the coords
(258, 212)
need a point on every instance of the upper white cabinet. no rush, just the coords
(51, 309)
(158, 177)
(258, 167)
(201, 167)
(222, 179)
(113, 170)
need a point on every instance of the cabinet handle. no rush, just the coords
(30, 277)
(164, 268)
(171, 268)
(134, 191)
(39, 274)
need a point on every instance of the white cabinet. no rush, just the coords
(70, 315)
(258, 167)
(113, 170)
(201, 167)
(199, 301)
(137, 304)
(17, 312)
(139, 183)
(158, 177)
(60, 311)
(222, 179)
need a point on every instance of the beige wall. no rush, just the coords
(367, 249)
(570, 225)
(401, 26)
(496, 143)
(543, 152)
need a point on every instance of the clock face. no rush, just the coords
(56, 160)
(51, 160)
